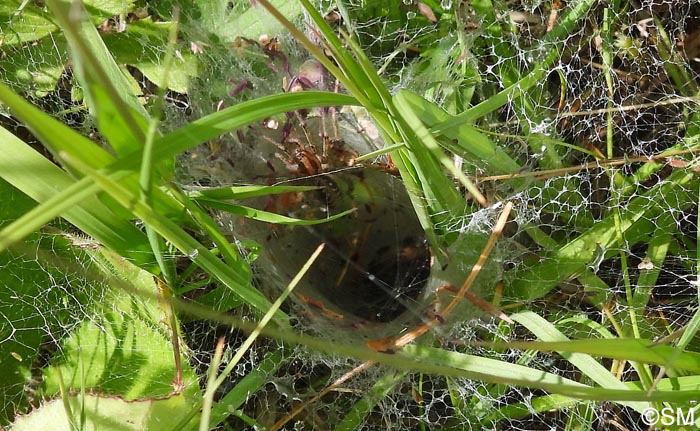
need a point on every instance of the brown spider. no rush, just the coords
(306, 160)
(302, 159)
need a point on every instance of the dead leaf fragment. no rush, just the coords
(426, 11)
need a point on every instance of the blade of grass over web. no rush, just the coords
(60, 195)
(55, 135)
(565, 262)
(268, 217)
(585, 363)
(58, 137)
(645, 351)
(244, 192)
(215, 382)
(237, 283)
(208, 397)
(642, 369)
(237, 116)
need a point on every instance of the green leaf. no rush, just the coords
(23, 25)
(229, 119)
(104, 413)
(122, 348)
(225, 20)
(141, 46)
(20, 69)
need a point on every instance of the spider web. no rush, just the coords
(564, 191)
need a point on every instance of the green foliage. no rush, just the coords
(481, 104)
(36, 68)
(96, 412)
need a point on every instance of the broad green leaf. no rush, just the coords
(20, 69)
(225, 20)
(23, 25)
(122, 348)
(129, 48)
(105, 413)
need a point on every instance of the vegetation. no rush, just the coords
(547, 153)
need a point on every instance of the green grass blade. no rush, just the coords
(268, 217)
(60, 195)
(236, 282)
(120, 116)
(545, 331)
(234, 117)
(553, 39)
(570, 259)
(244, 192)
(426, 141)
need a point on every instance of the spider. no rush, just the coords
(305, 160)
